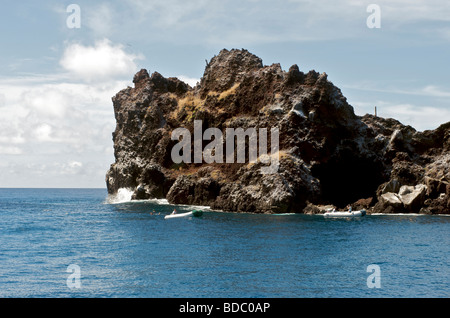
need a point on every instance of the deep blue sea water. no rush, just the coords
(122, 250)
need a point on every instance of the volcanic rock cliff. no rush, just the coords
(327, 154)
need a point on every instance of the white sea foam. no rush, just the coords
(123, 195)
(165, 202)
(160, 201)
(199, 207)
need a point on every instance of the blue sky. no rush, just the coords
(56, 83)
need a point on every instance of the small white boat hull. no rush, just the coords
(345, 214)
(182, 215)
(178, 215)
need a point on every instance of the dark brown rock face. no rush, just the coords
(327, 154)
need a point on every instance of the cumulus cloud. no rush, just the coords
(8, 150)
(428, 90)
(47, 101)
(79, 120)
(435, 91)
(72, 167)
(68, 113)
(189, 80)
(265, 21)
(102, 61)
(423, 107)
(56, 128)
(421, 117)
(62, 173)
(101, 18)
(37, 148)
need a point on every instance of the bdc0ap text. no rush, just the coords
(245, 307)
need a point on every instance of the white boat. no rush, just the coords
(182, 215)
(345, 214)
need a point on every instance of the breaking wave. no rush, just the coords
(123, 195)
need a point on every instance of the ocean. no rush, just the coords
(58, 243)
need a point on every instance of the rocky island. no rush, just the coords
(328, 156)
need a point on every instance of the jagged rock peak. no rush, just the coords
(237, 60)
(327, 154)
(140, 78)
(227, 68)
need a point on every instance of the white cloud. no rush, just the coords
(72, 167)
(83, 131)
(48, 120)
(7, 150)
(435, 91)
(418, 116)
(102, 61)
(406, 11)
(265, 21)
(12, 140)
(47, 101)
(43, 133)
(189, 80)
(52, 173)
(237, 23)
(171, 13)
(428, 90)
(100, 19)
(75, 115)
(422, 107)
